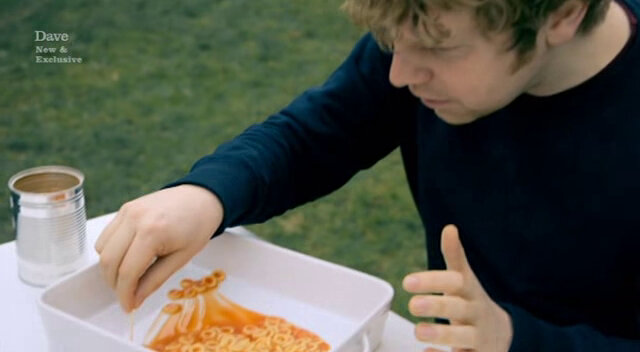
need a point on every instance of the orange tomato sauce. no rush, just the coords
(201, 319)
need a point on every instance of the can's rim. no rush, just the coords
(42, 169)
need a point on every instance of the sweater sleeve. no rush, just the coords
(532, 334)
(311, 147)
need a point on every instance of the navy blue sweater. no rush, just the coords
(545, 192)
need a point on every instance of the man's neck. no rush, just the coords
(583, 57)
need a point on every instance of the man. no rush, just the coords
(516, 121)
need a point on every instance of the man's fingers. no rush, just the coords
(158, 273)
(448, 307)
(112, 255)
(107, 233)
(452, 250)
(434, 281)
(456, 336)
(141, 254)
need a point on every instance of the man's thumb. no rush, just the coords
(452, 249)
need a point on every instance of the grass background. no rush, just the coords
(163, 83)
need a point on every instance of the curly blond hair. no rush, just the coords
(522, 17)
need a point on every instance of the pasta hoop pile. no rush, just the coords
(200, 319)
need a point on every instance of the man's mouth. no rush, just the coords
(434, 103)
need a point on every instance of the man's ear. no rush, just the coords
(563, 23)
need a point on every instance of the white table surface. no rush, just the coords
(21, 328)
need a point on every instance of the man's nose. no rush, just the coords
(405, 73)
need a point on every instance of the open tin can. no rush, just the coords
(49, 218)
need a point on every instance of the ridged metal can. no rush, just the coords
(49, 219)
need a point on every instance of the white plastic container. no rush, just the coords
(345, 307)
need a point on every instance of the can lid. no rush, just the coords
(46, 185)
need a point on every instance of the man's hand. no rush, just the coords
(153, 236)
(477, 322)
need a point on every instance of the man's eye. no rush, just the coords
(447, 52)
(443, 49)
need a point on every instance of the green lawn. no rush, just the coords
(163, 83)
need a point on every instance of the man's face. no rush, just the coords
(464, 77)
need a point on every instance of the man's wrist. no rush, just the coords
(212, 208)
(505, 329)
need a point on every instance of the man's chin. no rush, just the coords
(456, 117)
